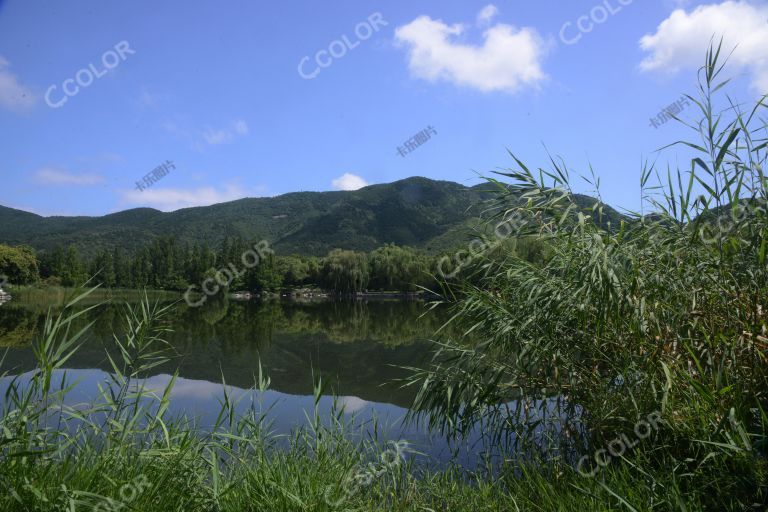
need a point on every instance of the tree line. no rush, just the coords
(167, 264)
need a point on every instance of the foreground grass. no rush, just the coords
(123, 452)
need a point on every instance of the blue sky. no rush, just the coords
(217, 88)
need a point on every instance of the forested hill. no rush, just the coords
(417, 212)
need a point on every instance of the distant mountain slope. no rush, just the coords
(419, 212)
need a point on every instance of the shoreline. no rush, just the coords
(299, 295)
(58, 294)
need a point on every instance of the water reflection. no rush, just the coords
(356, 347)
(199, 402)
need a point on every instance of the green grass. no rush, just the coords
(40, 296)
(126, 453)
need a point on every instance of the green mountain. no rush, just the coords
(417, 212)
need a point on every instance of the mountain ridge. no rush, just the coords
(419, 212)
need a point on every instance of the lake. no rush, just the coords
(358, 348)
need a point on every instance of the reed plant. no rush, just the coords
(662, 313)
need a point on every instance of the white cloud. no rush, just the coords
(13, 95)
(508, 60)
(348, 181)
(351, 404)
(53, 176)
(190, 388)
(169, 199)
(681, 40)
(223, 135)
(487, 14)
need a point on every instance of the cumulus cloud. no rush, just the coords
(191, 388)
(348, 181)
(169, 199)
(13, 95)
(509, 59)
(224, 135)
(487, 14)
(681, 40)
(54, 176)
(352, 404)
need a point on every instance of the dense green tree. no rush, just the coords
(64, 265)
(51, 263)
(396, 268)
(264, 276)
(122, 268)
(74, 269)
(166, 264)
(18, 264)
(345, 271)
(141, 269)
(103, 269)
(294, 269)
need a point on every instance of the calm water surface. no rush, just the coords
(358, 348)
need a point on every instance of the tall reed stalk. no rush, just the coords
(663, 311)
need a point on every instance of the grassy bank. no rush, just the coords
(44, 295)
(122, 451)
